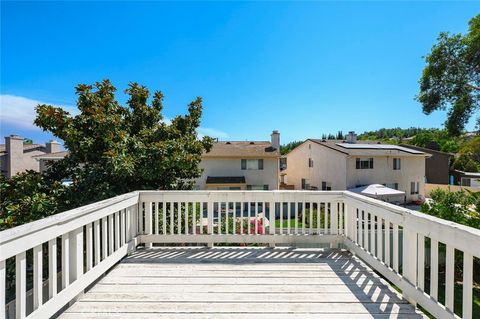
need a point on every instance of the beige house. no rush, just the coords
(17, 157)
(46, 159)
(327, 165)
(249, 165)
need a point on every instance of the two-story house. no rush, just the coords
(246, 165)
(327, 165)
(16, 156)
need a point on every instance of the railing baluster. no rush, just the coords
(76, 254)
(52, 268)
(164, 218)
(96, 226)
(110, 235)
(380, 238)
(467, 285)
(372, 234)
(360, 228)
(271, 226)
(89, 248)
(387, 243)
(122, 227)
(341, 212)
(21, 285)
(242, 207)
(281, 218)
(289, 215)
(104, 237)
(186, 217)
(179, 218)
(395, 247)
(421, 262)
(256, 218)
(172, 213)
(449, 276)
(194, 218)
(434, 269)
(296, 218)
(210, 217)
(325, 216)
(148, 221)
(157, 221)
(310, 221)
(304, 211)
(65, 261)
(318, 217)
(37, 276)
(226, 216)
(3, 283)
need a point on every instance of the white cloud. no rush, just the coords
(20, 111)
(206, 131)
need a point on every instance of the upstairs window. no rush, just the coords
(396, 164)
(252, 164)
(310, 162)
(364, 163)
(414, 188)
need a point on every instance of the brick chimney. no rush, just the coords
(14, 148)
(275, 138)
(52, 146)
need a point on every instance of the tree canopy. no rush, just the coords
(114, 149)
(451, 77)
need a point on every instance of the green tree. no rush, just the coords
(114, 149)
(451, 78)
(468, 158)
(284, 149)
(27, 197)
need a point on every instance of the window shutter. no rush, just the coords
(244, 164)
(260, 164)
(371, 163)
(358, 163)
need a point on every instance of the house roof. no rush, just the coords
(426, 150)
(26, 147)
(370, 149)
(57, 155)
(258, 149)
(226, 180)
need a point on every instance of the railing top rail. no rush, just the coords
(61, 218)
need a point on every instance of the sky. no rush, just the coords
(303, 68)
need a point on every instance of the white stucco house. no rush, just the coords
(341, 165)
(245, 165)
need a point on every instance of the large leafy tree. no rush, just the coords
(451, 78)
(115, 149)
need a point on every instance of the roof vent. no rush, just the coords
(324, 140)
(228, 143)
(251, 143)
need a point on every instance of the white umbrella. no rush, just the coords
(376, 190)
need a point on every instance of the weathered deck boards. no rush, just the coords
(241, 283)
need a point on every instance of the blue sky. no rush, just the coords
(302, 68)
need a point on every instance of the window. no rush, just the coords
(304, 183)
(252, 164)
(364, 163)
(465, 181)
(392, 185)
(257, 187)
(414, 188)
(396, 164)
(310, 162)
(326, 186)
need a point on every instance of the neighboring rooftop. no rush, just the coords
(26, 147)
(257, 149)
(47, 156)
(370, 148)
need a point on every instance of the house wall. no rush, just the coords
(328, 166)
(412, 170)
(437, 167)
(232, 167)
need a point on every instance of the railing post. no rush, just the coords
(409, 259)
(76, 253)
(3, 277)
(20, 285)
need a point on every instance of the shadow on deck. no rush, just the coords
(241, 283)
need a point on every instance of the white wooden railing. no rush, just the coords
(92, 239)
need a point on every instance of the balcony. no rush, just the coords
(170, 254)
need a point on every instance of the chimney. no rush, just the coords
(275, 138)
(352, 137)
(52, 146)
(14, 148)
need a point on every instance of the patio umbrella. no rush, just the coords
(376, 191)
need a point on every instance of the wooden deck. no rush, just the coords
(241, 283)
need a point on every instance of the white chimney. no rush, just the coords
(52, 146)
(352, 137)
(275, 138)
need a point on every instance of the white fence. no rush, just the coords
(91, 239)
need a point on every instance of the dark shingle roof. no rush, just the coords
(242, 149)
